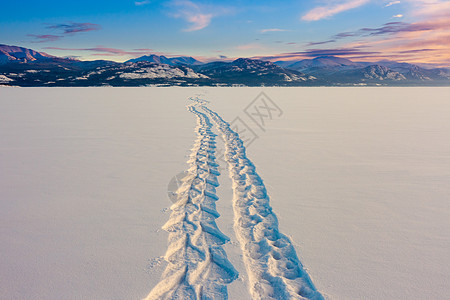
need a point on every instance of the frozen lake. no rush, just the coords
(358, 177)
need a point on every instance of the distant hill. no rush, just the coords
(173, 61)
(328, 62)
(252, 72)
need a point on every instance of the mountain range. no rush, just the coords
(26, 67)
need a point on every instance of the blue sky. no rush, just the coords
(364, 30)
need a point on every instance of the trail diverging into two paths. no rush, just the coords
(198, 266)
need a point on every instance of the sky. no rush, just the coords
(414, 31)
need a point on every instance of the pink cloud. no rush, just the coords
(42, 38)
(332, 9)
(198, 16)
(104, 51)
(192, 13)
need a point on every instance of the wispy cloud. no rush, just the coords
(396, 27)
(430, 8)
(65, 29)
(272, 30)
(317, 53)
(104, 51)
(197, 17)
(141, 3)
(322, 12)
(72, 27)
(343, 35)
(392, 3)
(42, 38)
(320, 43)
(334, 52)
(398, 16)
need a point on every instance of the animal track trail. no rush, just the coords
(272, 264)
(198, 267)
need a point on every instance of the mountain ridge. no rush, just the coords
(172, 61)
(20, 54)
(21, 66)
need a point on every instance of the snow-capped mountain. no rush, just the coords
(172, 61)
(344, 71)
(372, 73)
(415, 72)
(19, 54)
(252, 71)
(104, 73)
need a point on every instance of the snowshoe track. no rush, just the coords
(198, 267)
(272, 264)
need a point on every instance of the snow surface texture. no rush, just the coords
(358, 178)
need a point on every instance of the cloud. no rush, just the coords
(426, 40)
(104, 51)
(417, 50)
(107, 51)
(332, 9)
(392, 3)
(317, 53)
(320, 43)
(356, 54)
(398, 16)
(430, 8)
(272, 30)
(197, 17)
(335, 52)
(343, 35)
(396, 27)
(42, 38)
(72, 27)
(141, 3)
(66, 29)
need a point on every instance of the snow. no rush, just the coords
(357, 177)
(162, 71)
(4, 79)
